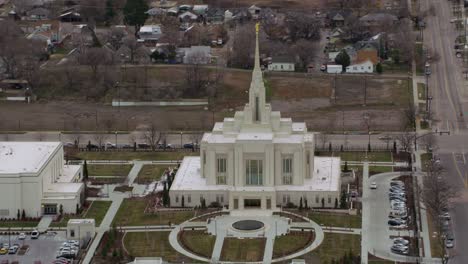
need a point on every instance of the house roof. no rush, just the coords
(155, 11)
(378, 17)
(38, 12)
(188, 14)
(282, 59)
(365, 55)
(215, 12)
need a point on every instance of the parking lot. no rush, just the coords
(44, 248)
(379, 232)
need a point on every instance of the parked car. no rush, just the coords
(162, 146)
(190, 145)
(3, 251)
(373, 185)
(22, 236)
(399, 250)
(12, 250)
(445, 216)
(143, 145)
(385, 138)
(400, 240)
(34, 234)
(69, 144)
(110, 145)
(449, 243)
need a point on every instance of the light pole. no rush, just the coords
(181, 133)
(118, 95)
(367, 118)
(115, 139)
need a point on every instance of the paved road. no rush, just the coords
(450, 105)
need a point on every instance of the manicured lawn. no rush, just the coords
(18, 223)
(337, 220)
(240, 250)
(198, 242)
(437, 247)
(121, 155)
(109, 170)
(98, 210)
(425, 159)
(131, 213)
(422, 91)
(150, 173)
(106, 180)
(379, 169)
(150, 244)
(334, 246)
(359, 155)
(291, 243)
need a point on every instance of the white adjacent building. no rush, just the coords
(362, 67)
(34, 178)
(257, 159)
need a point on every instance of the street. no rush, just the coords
(449, 92)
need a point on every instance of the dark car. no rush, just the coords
(143, 145)
(190, 145)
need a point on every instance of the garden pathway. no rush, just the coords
(133, 174)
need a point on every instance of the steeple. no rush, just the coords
(257, 87)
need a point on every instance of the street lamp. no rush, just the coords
(181, 133)
(367, 118)
(118, 94)
(115, 139)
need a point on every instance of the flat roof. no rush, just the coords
(326, 177)
(25, 157)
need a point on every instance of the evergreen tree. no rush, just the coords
(109, 11)
(85, 171)
(183, 201)
(343, 59)
(368, 147)
(343, 204)
(329, 146)
(300, 204)
(61, 210)
(134, 13)
(379, 68)
(341, 148)
(336, 203)
(23, 216)
(18, 215)
(346, 166)
(323, 202)
(305, 204)
(394, 147)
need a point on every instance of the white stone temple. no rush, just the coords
(257, 160)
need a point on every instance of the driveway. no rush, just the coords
(376, 208)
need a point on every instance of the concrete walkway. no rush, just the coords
(133, 174)
(365, 214)
(44, 224)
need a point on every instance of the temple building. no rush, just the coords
(257, 160)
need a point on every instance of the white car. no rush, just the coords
(35, 234)
(22, 236)
(373, 185)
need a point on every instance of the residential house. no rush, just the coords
(195, 55)
(142, 55)
(215, 15)
(254, 11)
(362, 67)
(228, 16)
(173, 11)
(351, 51)
(149, 33)
(38, 13)
(47, 31)
(184, 8)
(200, 9)
(188, 16)
(332, 55)
(282, 63)
(337, 18)
(70, 16)
(156, 11)
(377, 19)
(367, 55)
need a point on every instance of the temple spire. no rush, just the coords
(257, 87)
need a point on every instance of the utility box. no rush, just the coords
(81, 229)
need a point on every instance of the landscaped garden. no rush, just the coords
(109, 170)
(130, 155)
(241, 250)
(132, 212)
(197, 242)
(290, 243)
(97, 210)
(150, 244)
(383, 156)
(335, 219)
(150, 173)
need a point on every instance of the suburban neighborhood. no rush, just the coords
(201, 131)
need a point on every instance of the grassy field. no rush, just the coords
(18, 223)
(337, 220)
(379, 169)
(131, 213)
(150, 244)
(121, 155)
(421, 91)
(97, 211)
(425, 159)
(150, 173)
(359, 155)
(437, 248)
(335, 246)
(290, 243)
(198, 242)
(241, 250)
(109, 170)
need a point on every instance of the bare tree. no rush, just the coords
(242, 52)
(94, 58)
(410, 117)
(109, 123)
(323, 138)
(437, 195)
(132, 45)
(100, 139)
(302, 25)
(305, 51)
(429, 142)
(152, 136)
(405, 140)
(115, 37)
